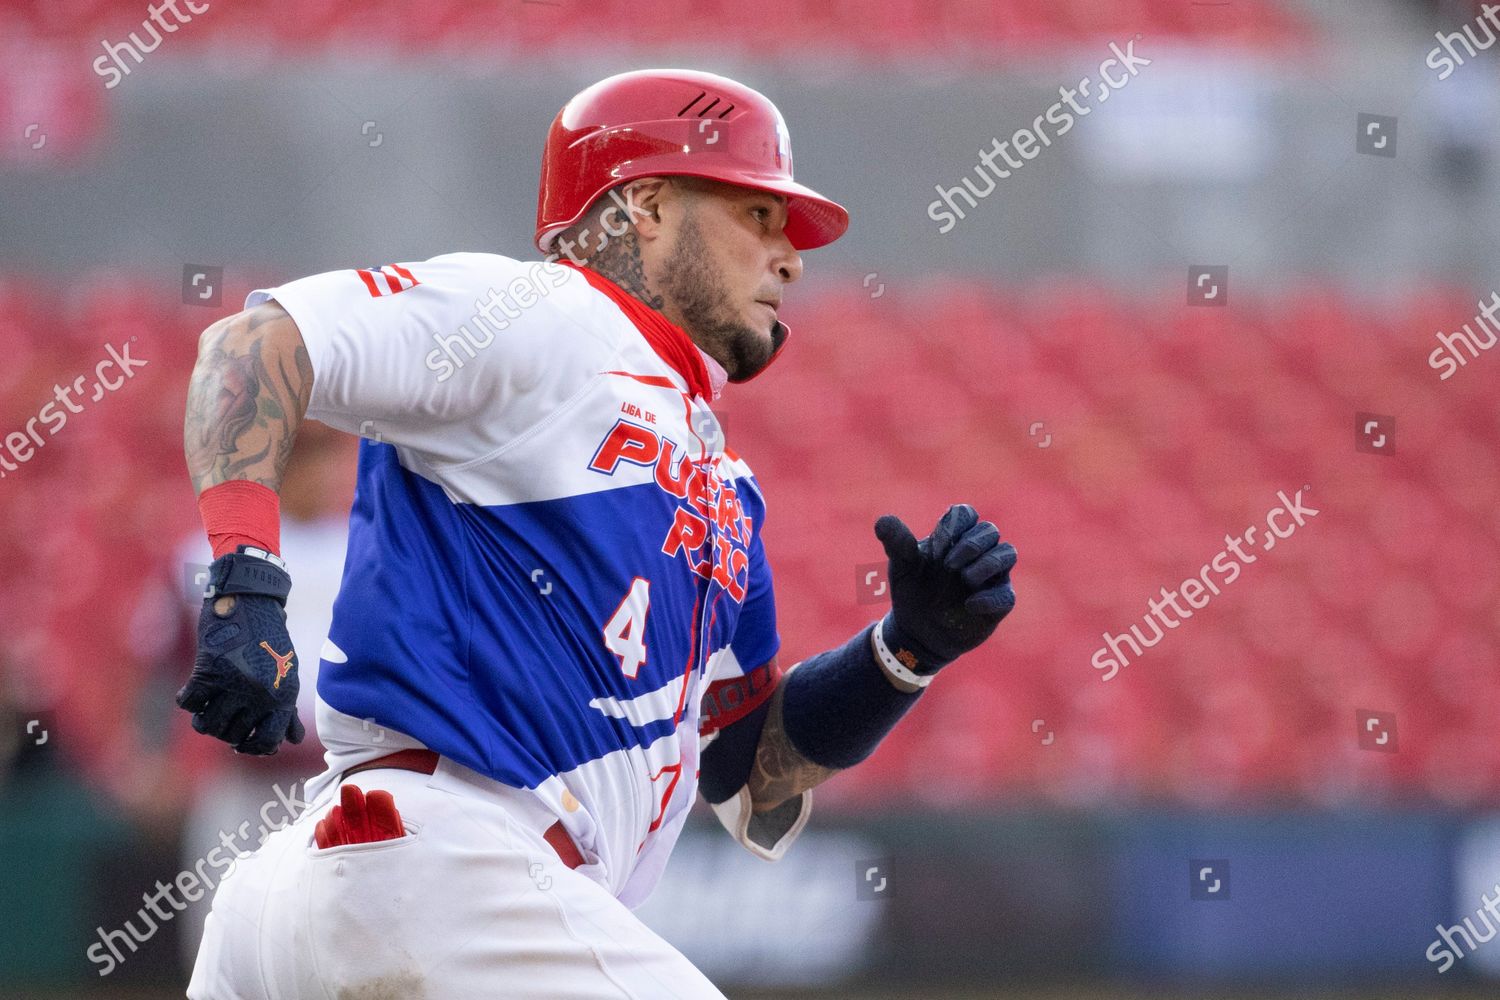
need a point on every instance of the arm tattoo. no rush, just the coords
(619, 260)
(780, 770)
(245, 401)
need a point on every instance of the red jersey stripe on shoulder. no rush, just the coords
(670, 341)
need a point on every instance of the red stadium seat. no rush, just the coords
(1161, 434)
(900, 33)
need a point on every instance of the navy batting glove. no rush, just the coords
(243, 689)
(949, 591)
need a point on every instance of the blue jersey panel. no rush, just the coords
(481, 630)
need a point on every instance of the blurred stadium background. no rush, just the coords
(1032, 830)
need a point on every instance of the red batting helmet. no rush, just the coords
(661, 122)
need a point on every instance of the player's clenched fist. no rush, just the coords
(949, 591)
(243, 689)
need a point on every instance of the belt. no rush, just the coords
(426, 762)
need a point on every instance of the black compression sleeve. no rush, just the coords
(839, 705)
(725, 765)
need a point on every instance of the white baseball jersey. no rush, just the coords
(553, 557)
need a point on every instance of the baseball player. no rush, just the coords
(557, 621)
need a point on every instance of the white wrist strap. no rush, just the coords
(269, 557)
(893, 666)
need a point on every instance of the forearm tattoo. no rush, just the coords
(245, 402)
(780, 770)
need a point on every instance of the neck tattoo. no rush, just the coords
(619, 260)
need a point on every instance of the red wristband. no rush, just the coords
(239, 512)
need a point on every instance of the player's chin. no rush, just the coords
(760, 326)
(753, 351)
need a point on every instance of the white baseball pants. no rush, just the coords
(471, 903)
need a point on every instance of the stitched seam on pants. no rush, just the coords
(259, 909)
(520, 835)
(598, 959)
(306, 907)
(605, 970)
(260, 913)
(217, 976)
(524, 840)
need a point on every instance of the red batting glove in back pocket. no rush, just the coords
(360, 819)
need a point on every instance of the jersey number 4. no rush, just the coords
(625, 632)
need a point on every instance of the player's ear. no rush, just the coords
(644, 199)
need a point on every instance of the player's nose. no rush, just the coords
(787, 263)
